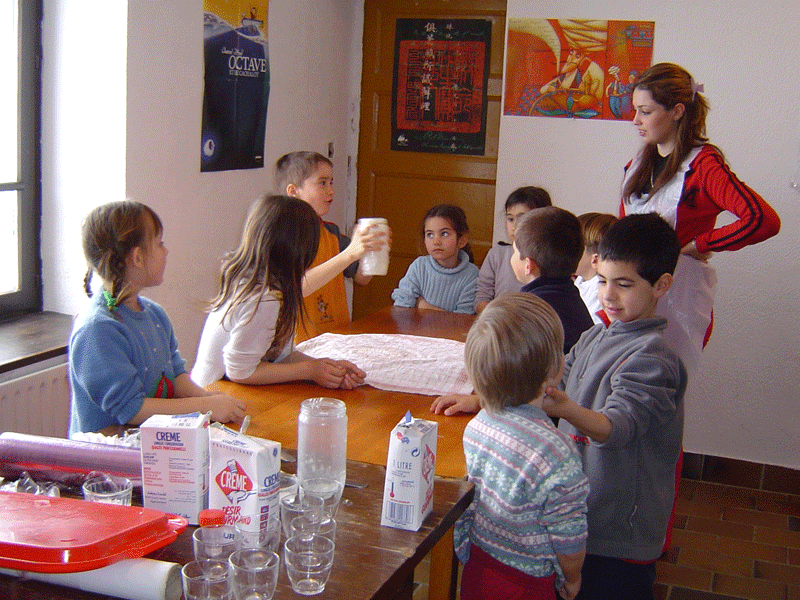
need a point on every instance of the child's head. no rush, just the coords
(520, 201)
(278, 245)
(445, 232)
(551, 238)
(513, 349)
(109, 235)
(594, 225)
(637, 257)
(308, 176)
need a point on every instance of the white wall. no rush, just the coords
(745, 401)
(100, 146)
(97, 147)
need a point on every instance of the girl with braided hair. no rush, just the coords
(124, 364)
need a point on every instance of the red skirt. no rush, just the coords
(486, 577)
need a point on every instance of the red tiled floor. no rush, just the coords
(732, 544)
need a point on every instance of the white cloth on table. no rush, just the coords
(398, 363)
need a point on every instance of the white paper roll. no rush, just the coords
(133, 579)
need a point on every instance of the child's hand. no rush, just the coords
(455, 404)
(367, 239)
(225, 408)
(555, 402)
(354, 376)
(570, 589)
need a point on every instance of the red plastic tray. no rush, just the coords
(63, 535)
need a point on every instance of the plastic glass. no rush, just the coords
(109, 490)
(299, 506)
(206, 580)
(308, 562)
(375, 262)
(330, 490)
(303, 526)
(254, 573)
(215, 542)
(267, 538)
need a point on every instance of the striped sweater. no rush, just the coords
(530, 491)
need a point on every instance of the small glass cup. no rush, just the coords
(330, 490)
(109, 490)
(259, 535)
(206, 580)
(254, 573)
(303, 526)
(308, 562)
(296, 506)
(288, 484)
(214, 542)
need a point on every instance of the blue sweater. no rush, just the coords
(116, 361)
(452, 290)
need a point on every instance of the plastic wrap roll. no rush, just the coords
(134, 579)
(65, 461)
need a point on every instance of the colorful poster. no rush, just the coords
(236, 89)
(575, 68)
(441, 72)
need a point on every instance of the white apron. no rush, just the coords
(689, 302)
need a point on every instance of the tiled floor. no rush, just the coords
(732, 542)
(729, 543)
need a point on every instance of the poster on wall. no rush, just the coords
(441, 72)
(236, 89)
(572, 68)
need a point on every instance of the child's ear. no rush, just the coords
(662, 285)
(530, 266)
(135, 257)
(595, 260)
(291, 190)
(463, 240)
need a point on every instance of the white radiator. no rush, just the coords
(37, 404)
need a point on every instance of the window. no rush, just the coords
(20, 201)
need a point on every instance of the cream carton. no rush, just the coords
(175, 464)
(245, 478)
(408, 489)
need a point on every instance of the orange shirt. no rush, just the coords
(327, 307)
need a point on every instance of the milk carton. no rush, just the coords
(245, 478)
(408, 490)
(175, 464)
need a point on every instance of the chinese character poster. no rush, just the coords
(441, 71)
(575, 68)
(236, 91)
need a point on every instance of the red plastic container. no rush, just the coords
(63, 535)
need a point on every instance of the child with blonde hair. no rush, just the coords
(524, 535)
(594, 225)
(124, 364)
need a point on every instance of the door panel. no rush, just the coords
(402, 186)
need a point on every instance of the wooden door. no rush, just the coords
(401, 186)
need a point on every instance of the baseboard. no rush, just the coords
(741, 473)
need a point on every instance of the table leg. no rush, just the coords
(443, 579)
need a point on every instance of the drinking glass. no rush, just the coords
(109, 490)
(216, 542)
(206, 580)
(303, 526)
(264, 535)
(308, 562)
(330, 490)
(296, 506)
(254, 573)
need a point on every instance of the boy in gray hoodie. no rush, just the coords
(621, 401)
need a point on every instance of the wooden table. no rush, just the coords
(371, 562)
(372, 414)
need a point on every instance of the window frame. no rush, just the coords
(28, 298)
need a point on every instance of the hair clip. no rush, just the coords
(696, 87)
(111, 302)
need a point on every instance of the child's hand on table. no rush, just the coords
(455, 404)
(225, 408)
